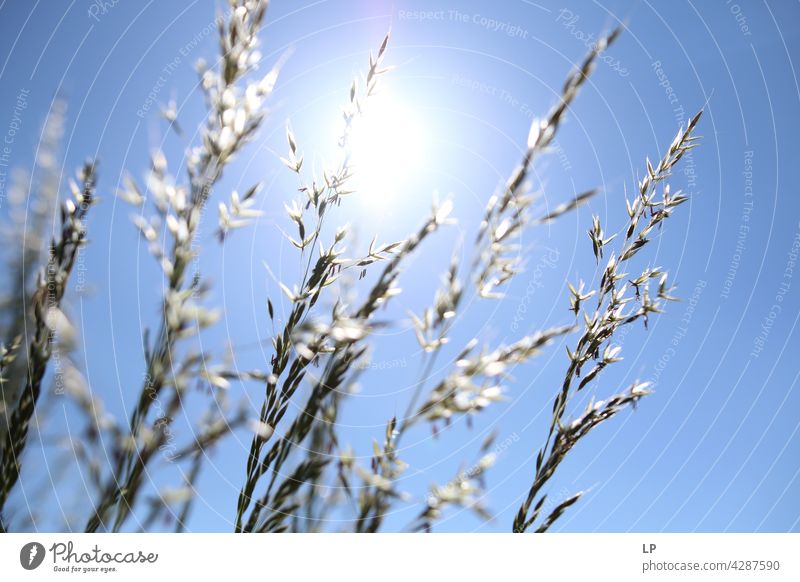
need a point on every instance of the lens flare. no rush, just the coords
(388, 146)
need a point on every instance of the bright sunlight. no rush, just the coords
(388, 144)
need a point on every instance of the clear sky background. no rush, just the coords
(714, 449)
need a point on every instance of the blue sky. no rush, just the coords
(715, 448)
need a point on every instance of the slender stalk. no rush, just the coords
(49, 321)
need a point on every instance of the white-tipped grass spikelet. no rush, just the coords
(235, 111)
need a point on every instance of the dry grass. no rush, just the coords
(48, 322)
(296, 452)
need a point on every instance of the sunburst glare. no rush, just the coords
(388, 144)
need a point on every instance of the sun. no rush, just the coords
(388, 146)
